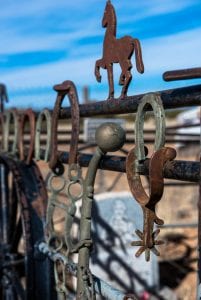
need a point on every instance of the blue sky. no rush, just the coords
(45, 42)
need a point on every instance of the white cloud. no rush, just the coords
(160, 54)
(179, 50)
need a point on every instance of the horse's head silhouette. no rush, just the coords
(117, 51)
(109, 17)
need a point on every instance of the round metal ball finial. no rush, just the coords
(110, 137)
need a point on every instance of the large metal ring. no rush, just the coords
(46, 115)
(155, 102)
(30, 115)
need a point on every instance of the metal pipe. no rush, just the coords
(66, 131)
(176, 169)
(179, 225)
(174, 98)
(184, 74)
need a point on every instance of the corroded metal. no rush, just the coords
(174, 98)
(74, 177)
(25, 275)
(117, 51)
(157, 161)
(182, 74)
(30, 116)
(66, 88)
(114, 133)
(176, 169)
(44, 115)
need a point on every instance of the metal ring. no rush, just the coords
(8, 115)
(56, 190)
(31, 117)
(74, 197)
(155, 102)
(66, 88)
(47, 116)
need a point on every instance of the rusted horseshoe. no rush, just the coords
(46, 115)
(66, 88)
(157, 161)
(30, 115)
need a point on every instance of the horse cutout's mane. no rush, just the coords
(117, 51)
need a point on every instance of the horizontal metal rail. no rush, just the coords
(184, 74)
(174, 98)
(176, 169)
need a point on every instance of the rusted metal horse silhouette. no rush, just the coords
(3, 96)
(117, 51)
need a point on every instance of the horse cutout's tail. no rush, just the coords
(138, 56)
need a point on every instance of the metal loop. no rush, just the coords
(74, 197)
(30, 115)
(74, 172)
(59, 189)
(155, 102)
(9, 114)
(66, 88)
(44, 115)
(58, 239)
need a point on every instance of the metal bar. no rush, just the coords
(184, 74)
(101, 287)
(67, 131)
(176, 169)
(175, 98)
(179, 225)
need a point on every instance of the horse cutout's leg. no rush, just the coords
(122, 78)
(99, 64)
(126, 66)
(110, 80)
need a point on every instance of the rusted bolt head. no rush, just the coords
(110, 137)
